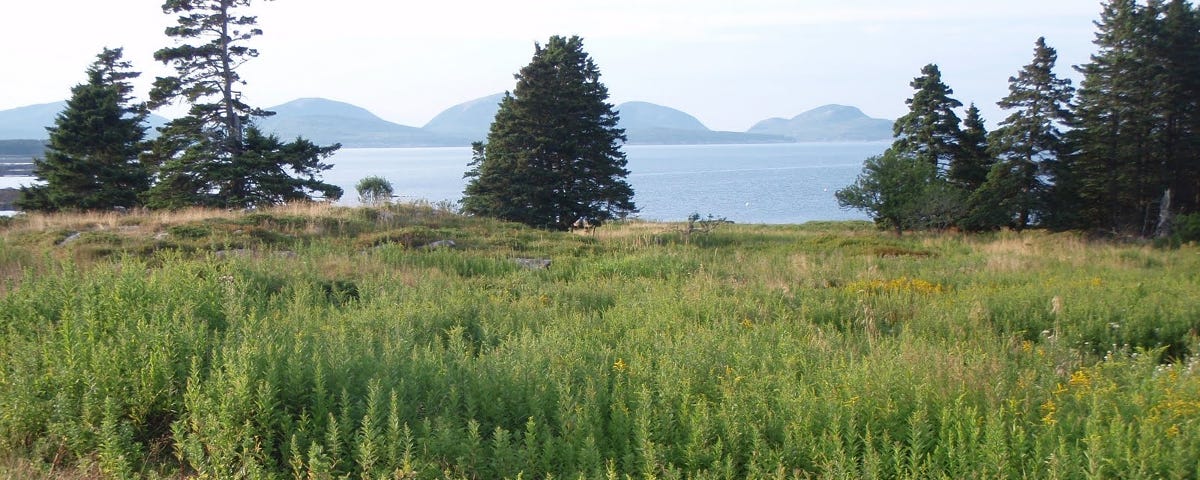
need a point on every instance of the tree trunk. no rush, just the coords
(231, 118)
(1164, 216)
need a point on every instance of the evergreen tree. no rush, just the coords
(1113, 173)
(1029, 141)
(213, 156)
(91, 162)
(1176, 55)
(969, 169)
(553, 153)
(930, 131)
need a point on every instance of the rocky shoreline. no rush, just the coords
(7, 197)
(13, 166)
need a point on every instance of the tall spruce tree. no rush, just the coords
(1114, 172)
(553, 153)
(1030, 141)
(969, 169)
(1176, 54)
(92, 162)
(214, 156)
(930, 131)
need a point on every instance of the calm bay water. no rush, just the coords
(774, 183)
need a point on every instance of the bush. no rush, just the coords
(374, 190)
(1187, 228)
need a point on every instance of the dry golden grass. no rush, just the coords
(628, 230)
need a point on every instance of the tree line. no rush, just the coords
(99, 157)
(552, 157)
(1119, 154)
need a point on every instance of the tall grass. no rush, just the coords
(817, 351)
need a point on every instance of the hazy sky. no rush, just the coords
(730, 63)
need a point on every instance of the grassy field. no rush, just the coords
(321, 342)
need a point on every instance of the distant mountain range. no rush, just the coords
(30, 122)
(327, 121)
(830, 123)
(469, 120)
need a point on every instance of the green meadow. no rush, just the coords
(323, 342)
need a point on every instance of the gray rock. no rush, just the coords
(70, 238)
(533, 263)
(440, 244)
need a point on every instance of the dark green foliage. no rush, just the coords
(930, 131)
(1186, 228)
(207, 68)
(553, 153)
(214, 156)
(997, 202)
(969, 169)
(1028, 143)
(265, 172)
(922, 181)
(91, 162)
(1177, 55)
(1138, 122)
(901, 192)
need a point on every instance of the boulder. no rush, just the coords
(533, 263)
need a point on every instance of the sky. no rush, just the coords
(730, 63)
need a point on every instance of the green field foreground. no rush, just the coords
(326, 342)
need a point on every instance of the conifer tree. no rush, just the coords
(968, 170)
(930, 132)
(553, 153)
(214, 156)
(1114, 173)
(1176, 54)
(1030, 141)
(91, 162)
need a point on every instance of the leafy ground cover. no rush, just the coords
(324, 342)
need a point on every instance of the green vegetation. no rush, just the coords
(215, 156)
(1121, 156)
(553, 155)
(374, 191)
(321, 342)
(91, 162)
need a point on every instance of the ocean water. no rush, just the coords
(773, 183)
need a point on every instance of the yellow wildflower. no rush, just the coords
(620, 365)
(1049, 409)
(1080, 379)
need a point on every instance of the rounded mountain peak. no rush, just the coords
(640, 115)
(832, 113)
(322, 107)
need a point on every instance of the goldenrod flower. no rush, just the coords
(1049, 409)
